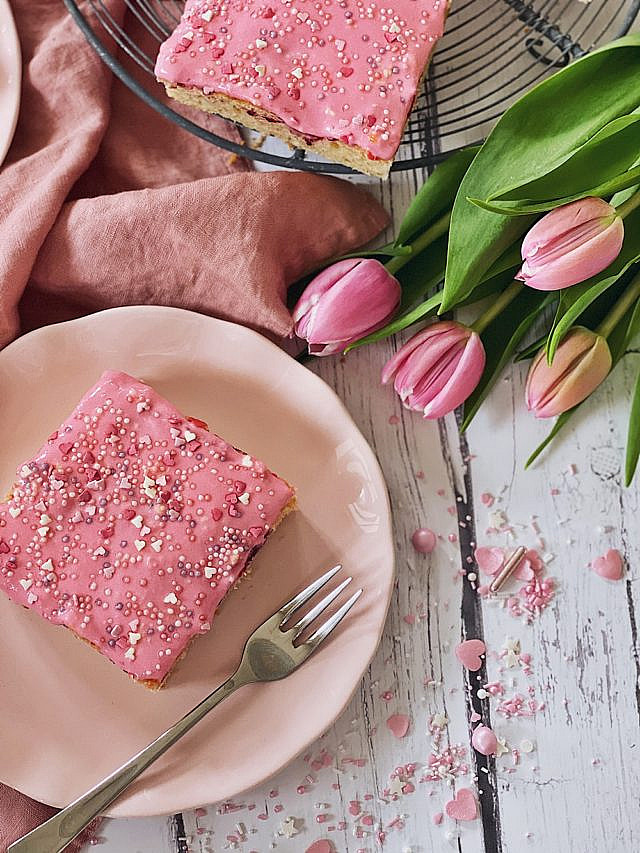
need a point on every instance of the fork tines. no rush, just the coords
(321, 633)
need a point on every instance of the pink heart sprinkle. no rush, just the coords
(398, 724)
(463, 806)
(489, 560)
(321, 847)
(609, 566)
(475, 717)
(438, 818)
(524, 572)
(468, 653)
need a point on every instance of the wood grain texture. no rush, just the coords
(579, 789)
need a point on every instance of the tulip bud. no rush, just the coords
(581, 363)
(345, 302)
(437, 369)
(570, 244)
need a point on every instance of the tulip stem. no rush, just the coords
(507, 296)
(630, 204)
(439, 227)
(628, 298)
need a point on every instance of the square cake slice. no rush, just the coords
(132, 522)
(338, 77)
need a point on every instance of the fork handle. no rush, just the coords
(54, 834)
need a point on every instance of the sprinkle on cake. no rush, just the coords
(337, 76)
(132, 522)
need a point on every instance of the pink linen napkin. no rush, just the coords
(20, 814)
(105, 203)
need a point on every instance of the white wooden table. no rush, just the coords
(578, 788)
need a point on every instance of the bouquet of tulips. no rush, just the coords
(543, 222)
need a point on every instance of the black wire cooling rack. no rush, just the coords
(492, 51)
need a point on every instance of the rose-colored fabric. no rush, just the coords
(105, 203)
(20, 814)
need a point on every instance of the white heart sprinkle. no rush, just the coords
(14, 511)
(25, 583)
(133, 638)
(130, 654)
(188, 435)
(145, 530)
(43, 531)
(157, 545)
(137, 521)
(139, 543)
(48, 566)
(206, 16)
(171, 598)
(161, 481)
(260, 43)
(247, 461)
(32, 598)
(244, 498)
(99, 552)
(44, 519)
(25, 471)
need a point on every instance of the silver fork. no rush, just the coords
(269, 654)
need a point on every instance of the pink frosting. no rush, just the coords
(131, 523)
(338, 69)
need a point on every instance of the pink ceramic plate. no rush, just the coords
(10, 75)
(68, 715)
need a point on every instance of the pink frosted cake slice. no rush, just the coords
(131, 523)
(338, 77)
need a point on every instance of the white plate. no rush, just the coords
(68, 715)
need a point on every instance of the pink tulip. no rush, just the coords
(437, 369)
(581, 363)
(345, 302)
(570, 244)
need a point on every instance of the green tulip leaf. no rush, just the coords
(633, 436)
(630, 178)
(608, 153)
(624, 332)
(388, 251)
(536, 135)
(500, 339)
(422, 273)
(575, 300)
(529, 352)
(436, 195)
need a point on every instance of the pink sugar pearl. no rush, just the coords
(484, 740)
(424, 540)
